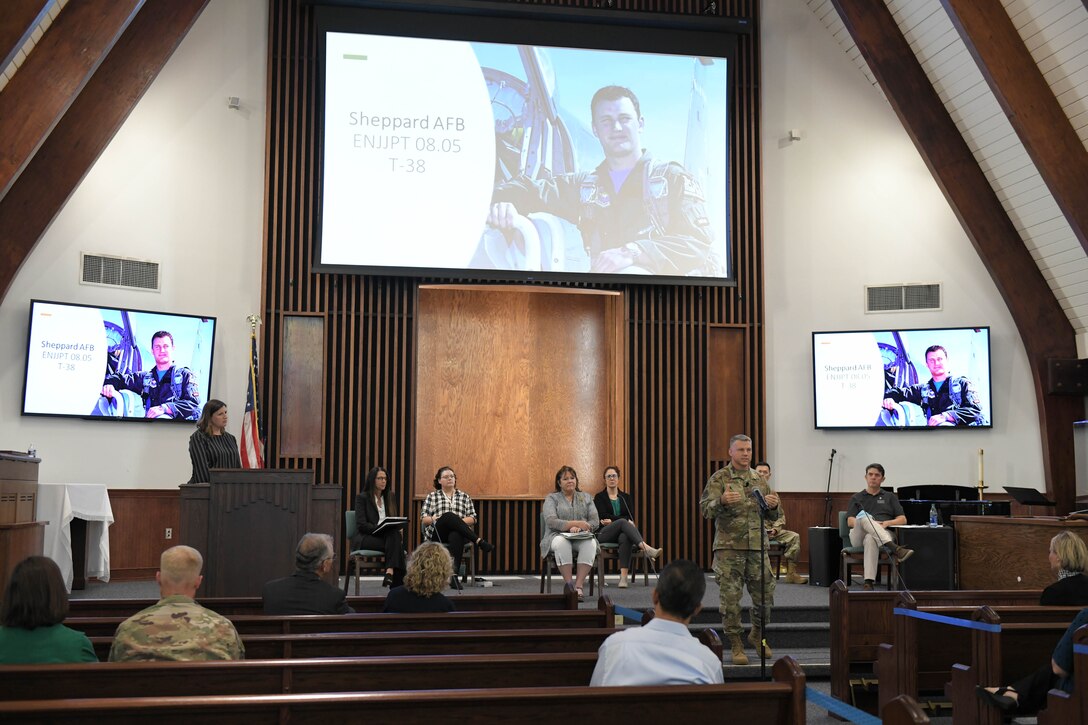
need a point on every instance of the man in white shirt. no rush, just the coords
(662, 652)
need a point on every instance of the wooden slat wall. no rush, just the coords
(370, 348)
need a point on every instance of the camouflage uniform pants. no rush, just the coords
(733, 569)
(791, 544)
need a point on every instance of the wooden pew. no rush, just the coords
(278, 677)
(396, 644)
(227, 606)
(246, 624)
(861, 621)
(781, 702)
(1063, 708)
(920, 656)
(997, 658)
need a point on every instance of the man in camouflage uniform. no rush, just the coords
(177, 628)
(777, 533)
(728, 501)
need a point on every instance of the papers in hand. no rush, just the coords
(576, 536)
(861, 515)
(390, 522)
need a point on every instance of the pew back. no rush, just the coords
(247, 624)
(861, 621)
(227, 606)
(780, 702)
(274, 677)
(398, 644)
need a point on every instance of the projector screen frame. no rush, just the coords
(489, 22)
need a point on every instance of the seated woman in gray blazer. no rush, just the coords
(570, 511)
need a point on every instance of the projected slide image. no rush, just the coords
(902, 379)
(480, 156)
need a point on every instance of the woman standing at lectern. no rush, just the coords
(211, 446)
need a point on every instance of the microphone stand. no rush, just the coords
(827, 494)
(762, 587)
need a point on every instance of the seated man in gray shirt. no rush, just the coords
(869, 515)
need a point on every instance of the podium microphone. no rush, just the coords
(833, 452)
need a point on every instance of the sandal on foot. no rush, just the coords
(581, 597)
(997, 699)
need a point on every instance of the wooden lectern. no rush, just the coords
(247, 521)
(20, 534)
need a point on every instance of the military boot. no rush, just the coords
(792, 577)
(755, 638)
(739, 658)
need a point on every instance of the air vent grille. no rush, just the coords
(902, 297)
(100, 269)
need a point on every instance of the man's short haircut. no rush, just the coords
(312, 551)
(877, 466)
(162, 333)
(180, 565)
(680, 588)
(739, 437)
(1071, 551)
(935, 348)
(763, 463)
(613, 93)
(35, 595)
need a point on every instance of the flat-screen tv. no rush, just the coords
(898, 379)
(116, 363)
(481, 142)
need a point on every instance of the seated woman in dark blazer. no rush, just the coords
(372, 505)
(429, 569)
(615, 510)
(1069, 560)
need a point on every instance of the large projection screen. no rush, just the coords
(446, 152)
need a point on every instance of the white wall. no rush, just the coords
(850, 204)
(180, 184)
(853, 204)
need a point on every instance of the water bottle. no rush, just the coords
(933, 515)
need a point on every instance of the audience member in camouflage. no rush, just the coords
(727, 500)
(777, 533)
(177, 628)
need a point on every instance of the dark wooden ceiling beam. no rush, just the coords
(1044, 328)
(52, 76)
(17, 22)
(1030, 105)
(88, 126)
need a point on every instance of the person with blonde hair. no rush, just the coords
(176, 627)
(1069, 560)
(429, 570)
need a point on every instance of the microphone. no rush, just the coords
(758, 496)
(833, 452)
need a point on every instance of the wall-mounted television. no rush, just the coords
(111, 363)
(903, 379)
(475, 141)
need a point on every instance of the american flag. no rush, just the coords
(252, 435)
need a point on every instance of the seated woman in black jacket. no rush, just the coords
(1069, 560)
(372, 505)
(617, 517)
